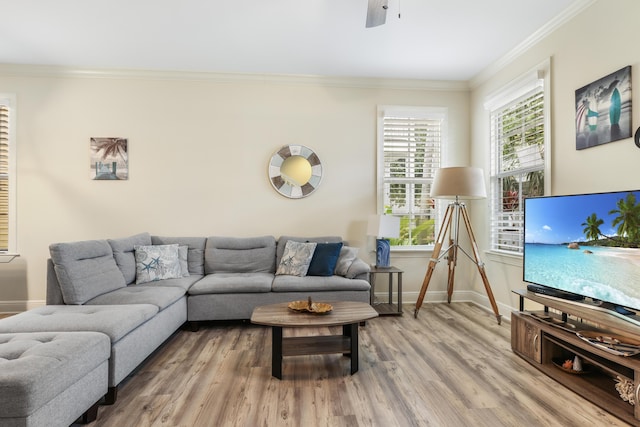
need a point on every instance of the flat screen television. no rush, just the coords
(586, 245)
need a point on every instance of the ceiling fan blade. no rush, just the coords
(377, 12)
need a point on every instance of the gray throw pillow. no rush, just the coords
(123, 253)
(347, 255)
(357, 268)
(157, 262)
(296, 258)
(183, 254)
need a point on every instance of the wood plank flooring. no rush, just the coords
(453, 366)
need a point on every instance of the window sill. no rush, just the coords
(410, 249)
(7, 257)
(505, 258)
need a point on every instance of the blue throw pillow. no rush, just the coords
(324, 259)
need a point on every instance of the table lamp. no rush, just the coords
(383, 227)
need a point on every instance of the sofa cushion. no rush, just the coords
(123, 253)
(85, 269)
(115, 321)
(296, 258)
(36, 367)
(195, 256)
(227, 283)
(324, 260)
(282, 242)
(318, 283)
(181, 282)
(157, 262)
(240, 255)
(348, 254)
(160, 296)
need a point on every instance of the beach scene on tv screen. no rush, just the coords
(585, 244)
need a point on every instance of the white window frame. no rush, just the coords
(9, 100)
(538, 77)
(430, 113)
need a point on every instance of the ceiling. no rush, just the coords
(431, 40)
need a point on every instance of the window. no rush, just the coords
(519, 155)
(410, 145)
(7, 175)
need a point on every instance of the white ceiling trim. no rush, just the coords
(558, 21)
(18, 70)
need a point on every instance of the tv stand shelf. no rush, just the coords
(542, 337)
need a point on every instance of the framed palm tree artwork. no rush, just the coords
(109, 159)
(603, 110)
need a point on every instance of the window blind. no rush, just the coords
(4, 177)
(517, 141)
(411, 154)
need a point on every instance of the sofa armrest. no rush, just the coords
(54, 294)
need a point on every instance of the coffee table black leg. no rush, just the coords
(351, 331)
(276, 352)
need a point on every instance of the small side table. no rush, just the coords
(388, 308)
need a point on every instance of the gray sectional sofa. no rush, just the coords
(139, 290)
(240, 274)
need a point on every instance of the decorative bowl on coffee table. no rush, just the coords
(310, 307)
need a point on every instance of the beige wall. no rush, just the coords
(199, 150)
(198, 155)
(597, 42)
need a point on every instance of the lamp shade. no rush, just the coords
(383, 226)
(459, 182)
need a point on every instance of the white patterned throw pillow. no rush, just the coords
(296, 258)
(157, 262)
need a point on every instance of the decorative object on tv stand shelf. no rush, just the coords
(383, 227)
(624, 387)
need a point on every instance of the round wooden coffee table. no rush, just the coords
(347, 314)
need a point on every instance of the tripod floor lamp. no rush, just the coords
(456, 183)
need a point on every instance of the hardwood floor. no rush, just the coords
(453, 366)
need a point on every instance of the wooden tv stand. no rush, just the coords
(540, 337)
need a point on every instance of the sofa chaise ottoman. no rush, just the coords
(52, 378)
(130, 330)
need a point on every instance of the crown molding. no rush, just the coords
(569, 13)
(24, 70)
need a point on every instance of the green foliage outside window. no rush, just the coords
(411, 150)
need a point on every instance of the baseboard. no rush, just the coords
(476, 298)
(12, 307)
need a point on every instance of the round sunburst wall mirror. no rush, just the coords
(295, 171)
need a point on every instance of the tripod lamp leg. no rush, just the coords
(435, 257)
(480, 264)
(452, 262)
(425, 285)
